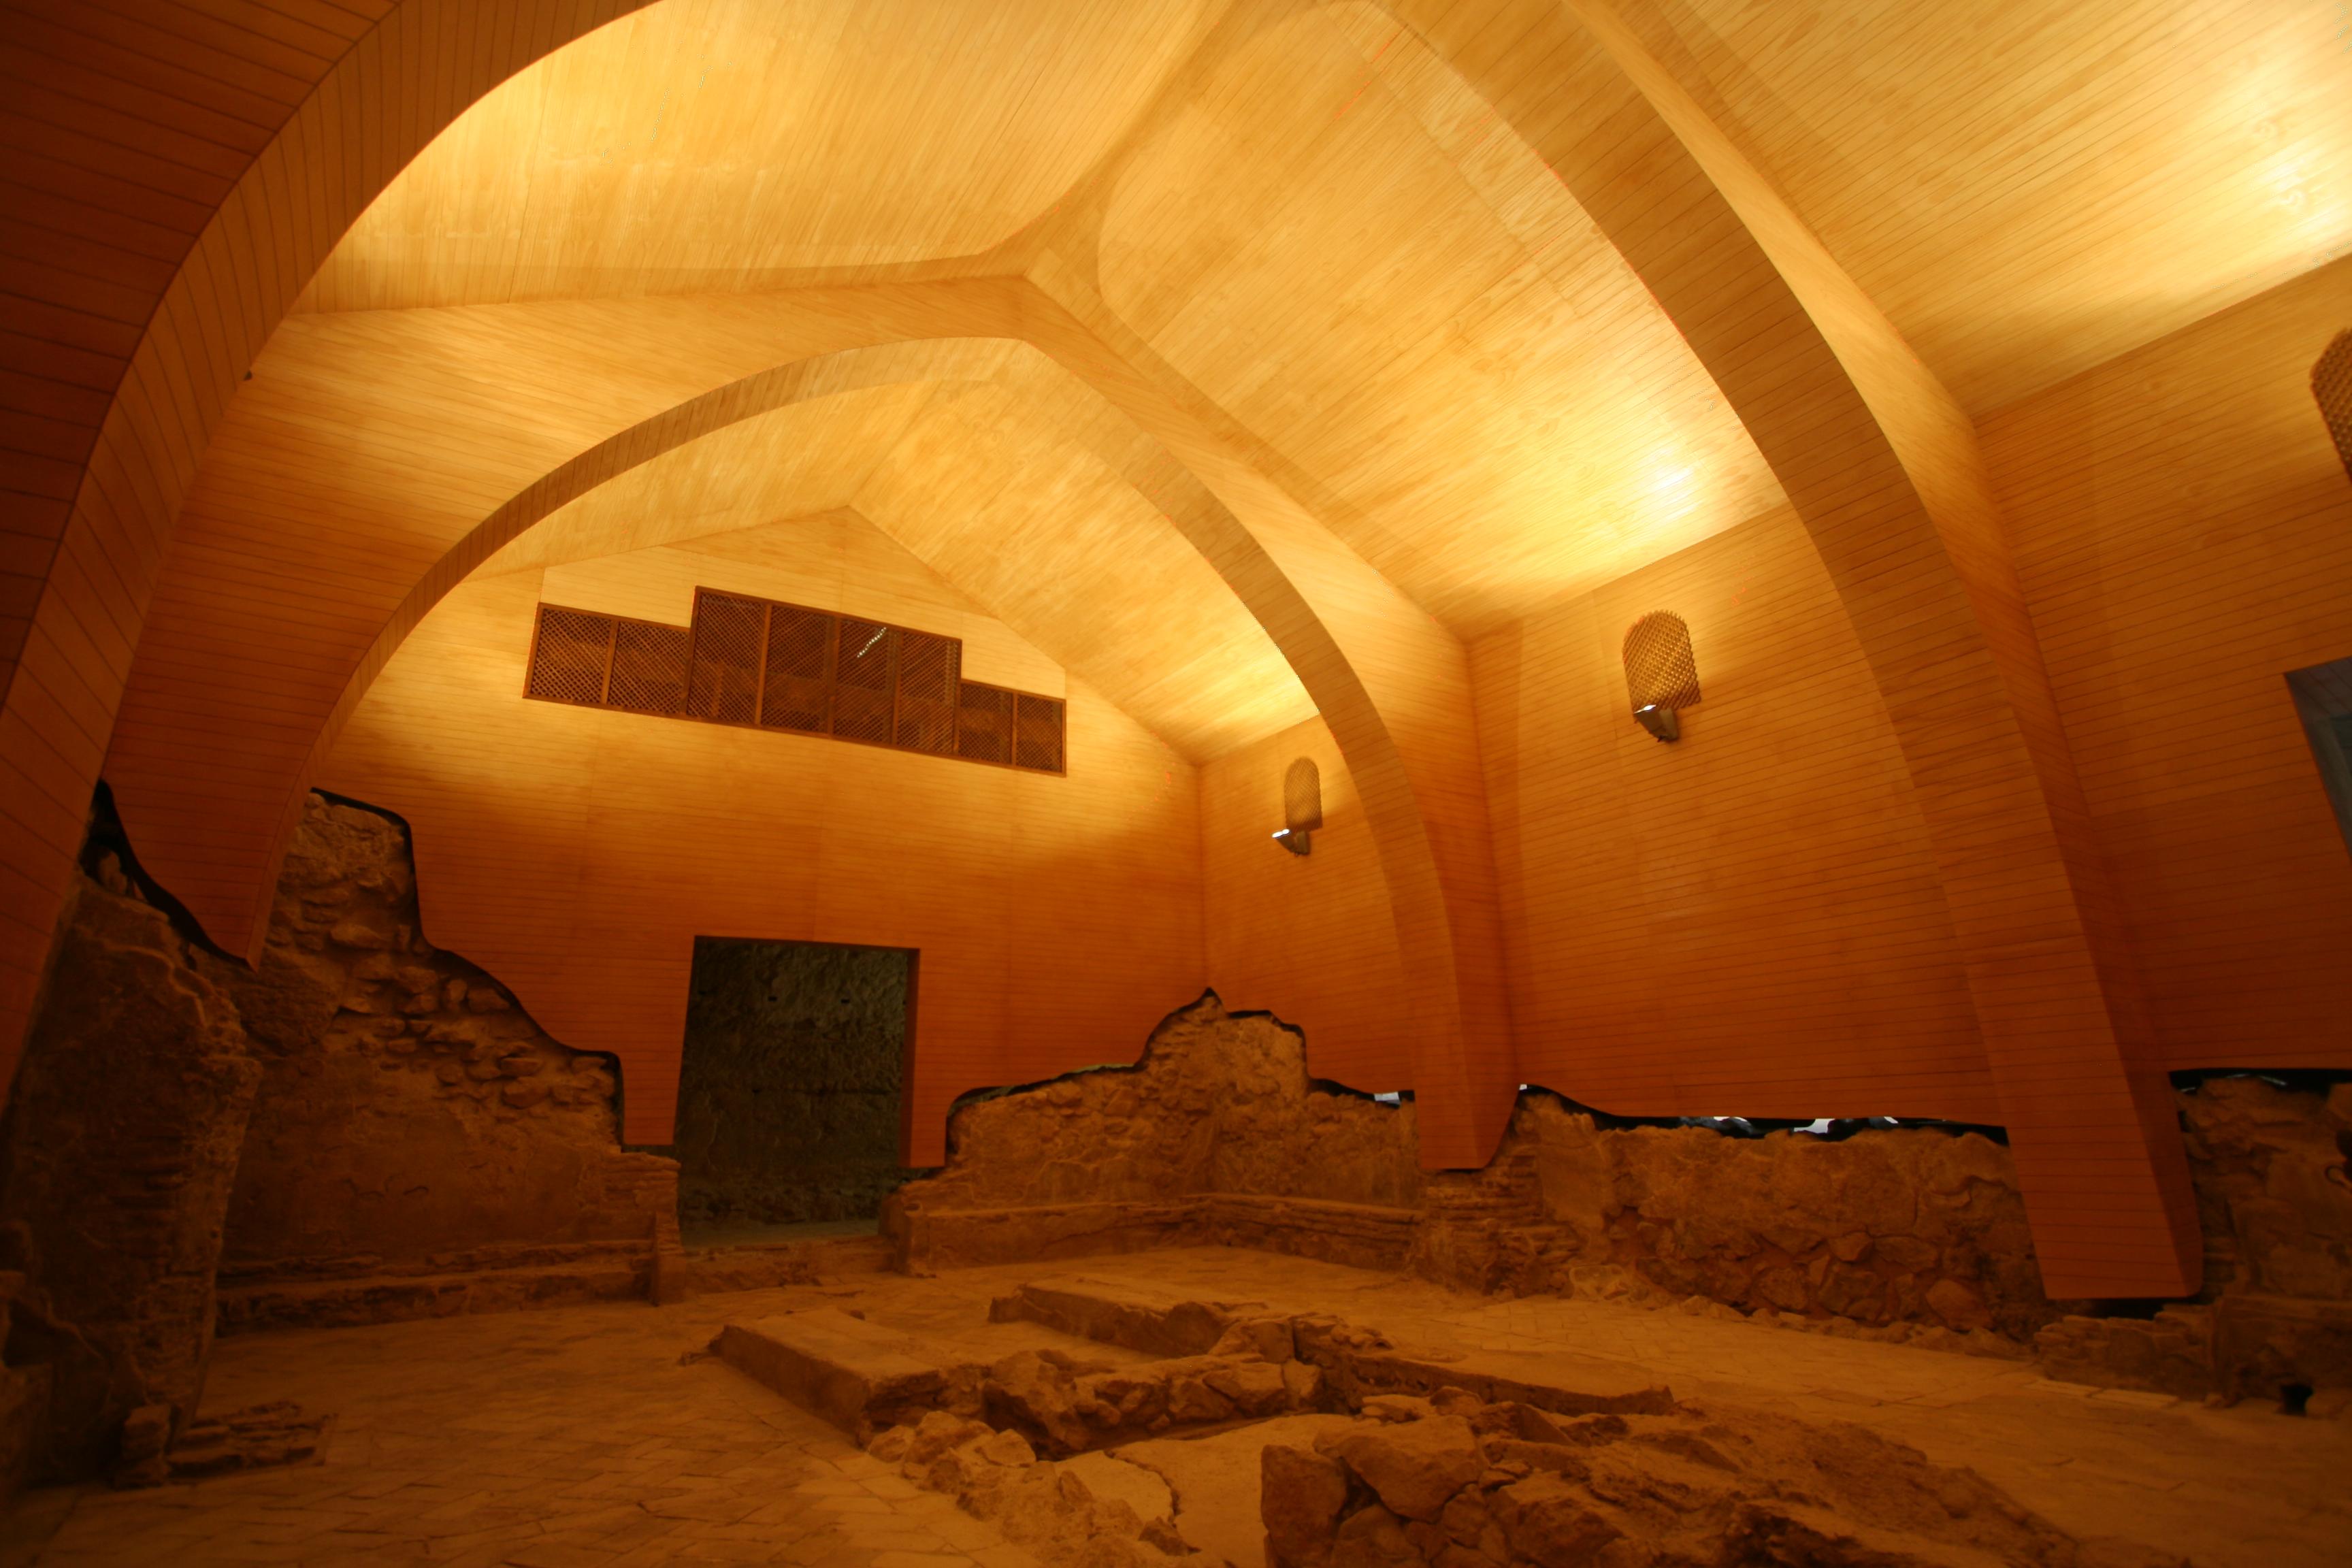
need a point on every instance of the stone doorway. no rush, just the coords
(790, 1087)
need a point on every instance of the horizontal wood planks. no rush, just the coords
(1882, 469)
(1744, 922)
(2030, 189)
(1310, 939)
(2184, 531)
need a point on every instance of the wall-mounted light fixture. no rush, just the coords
(1302, 807)
(1661, 676)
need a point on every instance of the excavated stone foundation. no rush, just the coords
(1162, 1428)
(1220, 1136)
(1917, 1235)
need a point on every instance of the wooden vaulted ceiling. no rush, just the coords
(1319, 295)
(1314, 221)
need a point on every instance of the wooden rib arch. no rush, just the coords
(115, 386)
(1882, 466)
(1391, 685)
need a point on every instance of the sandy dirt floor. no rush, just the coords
(578, 1438)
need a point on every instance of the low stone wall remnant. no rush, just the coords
(1902, 1233)
(412, 1119)
(2273, 1165)
(360, 1127)
(1220, 1135)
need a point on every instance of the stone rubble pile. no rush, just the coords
(1065, 1407)
(1456, 1483)
(994, 1474)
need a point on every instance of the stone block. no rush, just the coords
(854, 1375)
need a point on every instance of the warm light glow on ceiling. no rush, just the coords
(703, 144)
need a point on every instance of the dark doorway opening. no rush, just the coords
(790, 1088)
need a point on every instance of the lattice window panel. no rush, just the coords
(929, 671)
(864, 660)
(1659, 667)
(649, 667)
(730, 637)
(1036, 733)
(799, 691)
(570, 655)
(985, 723)
(2331, 384)
(750, 661)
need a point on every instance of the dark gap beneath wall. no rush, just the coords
(1834, 1129)
(790, 1087)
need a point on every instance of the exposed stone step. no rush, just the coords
(1121, 1312)
(1357, 1360)
(859, 1376)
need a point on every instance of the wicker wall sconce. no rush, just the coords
(1302, 807)
(2331, 384)
(1661, 676)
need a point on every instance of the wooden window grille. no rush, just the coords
(864, 668)
(985, 723)
(929, 675)
(571, 656)
(2331, 384)
(649, 665)
(729, 633)
(1660, 671)
(766, 665)
(799, 691)
(1036, 733)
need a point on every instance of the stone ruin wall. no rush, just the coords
(1922, 1228)
(2272, 1167)
(411, 1118)
(361, 1127)
(120, 1146)
(1917, 1233)
(365, 1127)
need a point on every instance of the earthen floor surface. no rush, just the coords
(576, 1439)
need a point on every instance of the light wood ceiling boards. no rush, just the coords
(1007, 488)
(2028, 189)
(1323, 228)
(364, 447)
(268, 614)
(702, 145)
(977, 479)
(1335, 240)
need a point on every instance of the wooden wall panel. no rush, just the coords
(1883, 467)
(1310, 939)
(366, 446)
(1748, 921)
(2184, 531)
(576, 852)
(177, 172)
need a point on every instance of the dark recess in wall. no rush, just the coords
(789, 1091)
